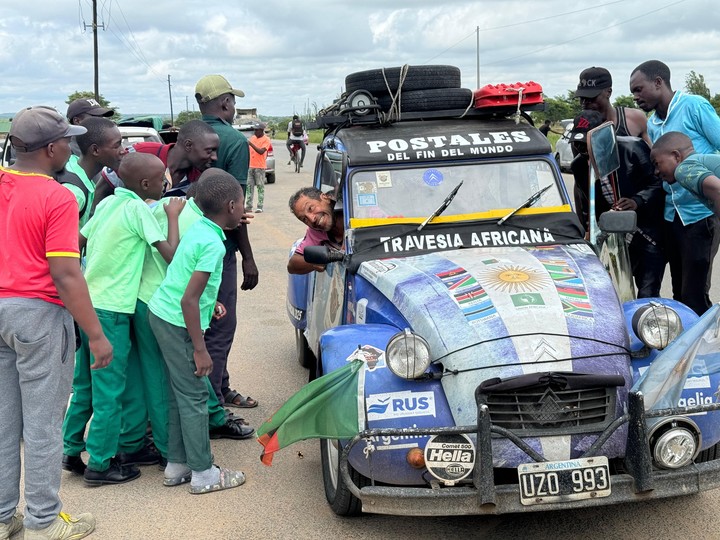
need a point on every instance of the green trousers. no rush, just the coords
(107, 391)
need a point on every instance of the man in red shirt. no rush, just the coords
(41, 290)
(185, 160)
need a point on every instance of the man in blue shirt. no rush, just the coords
(692, 231)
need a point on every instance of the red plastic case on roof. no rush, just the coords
(499, 95)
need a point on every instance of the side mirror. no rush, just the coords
(322, 255)
(618, 221)
(602, 148)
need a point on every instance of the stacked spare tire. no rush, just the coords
(414, 88)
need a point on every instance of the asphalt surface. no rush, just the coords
(287, 499)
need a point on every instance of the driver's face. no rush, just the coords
(316, 214)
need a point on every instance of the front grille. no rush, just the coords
(546, 411)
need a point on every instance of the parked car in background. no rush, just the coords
(563, 149)
(248, 129)
(132, 135)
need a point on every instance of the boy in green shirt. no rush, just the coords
(151, 370)
(116, 237)
(192, 282)
(101, 146)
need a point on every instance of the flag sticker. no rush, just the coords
(527, 299)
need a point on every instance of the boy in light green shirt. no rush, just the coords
(116, 237)
(151, 370)
(191, 283)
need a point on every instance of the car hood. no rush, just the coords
(503, 312)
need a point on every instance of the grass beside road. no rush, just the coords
(315, 136)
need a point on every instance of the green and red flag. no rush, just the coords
(330, 407)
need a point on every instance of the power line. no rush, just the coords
(599, 31)
(523, 23)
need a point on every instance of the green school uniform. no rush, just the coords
(201, 250)
(83, 201)
(117, 235)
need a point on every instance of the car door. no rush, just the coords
(327, 289)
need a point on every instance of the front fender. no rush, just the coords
(339, 345)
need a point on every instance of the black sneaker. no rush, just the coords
(74, 464)
(232, 430)
(147, 455)
(115, 474)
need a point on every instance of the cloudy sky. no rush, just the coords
(286, 55)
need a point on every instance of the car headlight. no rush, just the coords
(407, 355)
(656, 325)
(674, 444)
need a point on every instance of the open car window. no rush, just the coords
(488, 190)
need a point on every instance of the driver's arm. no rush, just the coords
(298, 265)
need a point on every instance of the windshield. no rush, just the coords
(489, 190)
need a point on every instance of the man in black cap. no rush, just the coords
(594, 90)
(633, 187)
(81, 108)
(41, 290)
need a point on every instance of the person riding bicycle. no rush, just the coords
(296, 135)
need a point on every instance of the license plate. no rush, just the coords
(560, 481)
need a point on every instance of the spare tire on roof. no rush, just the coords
(416, 78)
(437, 99)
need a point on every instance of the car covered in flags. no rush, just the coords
(471, 352)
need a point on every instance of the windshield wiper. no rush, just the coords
(532, 200)
(442, 207)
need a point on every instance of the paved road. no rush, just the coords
(287, 500)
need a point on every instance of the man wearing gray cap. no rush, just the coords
(41, 291)
(216, 100)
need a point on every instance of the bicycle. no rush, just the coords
(295, 156)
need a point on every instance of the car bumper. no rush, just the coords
(455, 501)
(640, 482)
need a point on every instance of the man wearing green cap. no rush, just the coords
(216, 100)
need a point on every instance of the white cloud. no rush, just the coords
(286, 55)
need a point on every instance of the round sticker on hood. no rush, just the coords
(450, 458)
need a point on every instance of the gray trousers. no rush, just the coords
(37, 342)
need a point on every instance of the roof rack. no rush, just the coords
(498, 101)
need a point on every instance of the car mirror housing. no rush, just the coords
(322, 255)
(618, 221)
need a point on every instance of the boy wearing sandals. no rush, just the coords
(192, 282)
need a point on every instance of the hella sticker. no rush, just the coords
(400, 405)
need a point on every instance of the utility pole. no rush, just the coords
(187, 107)
(172, 118)
(95, 48)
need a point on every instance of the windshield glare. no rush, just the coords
(417, 192)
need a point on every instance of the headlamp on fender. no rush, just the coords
(407, 355)
(656, 325)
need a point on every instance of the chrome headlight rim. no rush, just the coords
(667, 430)
(401, 344)
(655, 313)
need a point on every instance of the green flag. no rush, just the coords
(330, 407)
